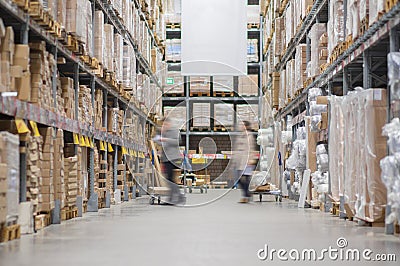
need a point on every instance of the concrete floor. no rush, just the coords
(220, 233)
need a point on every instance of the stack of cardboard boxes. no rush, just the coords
(59, 185)
(248, 85)
(71, 180)
(34, 171)
(68, 94)
(98, 109)
(20, 72)
(3, 192)
(96, 169)
(81, 180)
(201, 114)
(85, 105)
(47, 184)
(41, 68)
(301, 66)
(7, 56)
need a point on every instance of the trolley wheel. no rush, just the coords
(280, 198)
(159, 200)
(151, 201)
(190, 190)
(260, 196)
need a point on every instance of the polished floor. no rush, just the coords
(214, 230)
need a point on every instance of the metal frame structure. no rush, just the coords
(81, 74)
(354, 67)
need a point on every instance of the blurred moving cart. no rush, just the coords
(260, 186)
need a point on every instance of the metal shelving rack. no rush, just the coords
(81, 74)
(357, 66)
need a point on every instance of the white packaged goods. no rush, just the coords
(335, 25)
(361, 116)
(252, 50)
(173, 50)
(129, 69)
(174, 83)
(223, 114)
(253, 14)
(178, 113)
(172, 11)
(108, 62)
(62, 12)
(118, 56)
(247, 112)
(223, 83)
(391, 168)
(200, 84)
(201, 114)
(248, 85)
(376, 7)
(363, 9)
(99, 36)
(9, 151)
(315, 34)
(76, 18)
(394, 75)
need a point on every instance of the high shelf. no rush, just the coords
(32, 23)
(353, 55)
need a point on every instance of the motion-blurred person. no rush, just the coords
(246, 160)
(169, 141)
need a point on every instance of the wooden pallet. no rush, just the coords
(42, 220)
(177, 94)
(9, 232)
(253, 25)
(173, 25)
(389, 4)
(200, 94)
(200, 129)
(335, 210)
(223, 94)
(220, 128)
(308, 82)
(364, 25)
(68, 213)
(23, 4)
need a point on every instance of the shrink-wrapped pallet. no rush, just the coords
(363, 9)
(9, 152)
(223, 115)
(283, 100)
(223, 83)
(108, 47)
(76, 18)
(178, 113)
(173, 50)
(175, 83)
(315, 34)
(129, 68)
(248, 85)
(89, 29)
(199, 84)
(289, 22)
(62, 12)
(99, 36)
(252, 50)
(253, 14)
(279, 28)
(376, 9)
(247, 112)
(118, 56)
(335, 25)
(201, 114)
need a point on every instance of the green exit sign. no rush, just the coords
(170, 81)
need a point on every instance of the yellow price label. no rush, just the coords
(34, 128)
(124, 151)
(76, 139)
(102, 147)
(131, 152)
(21, 126)
(110, 148)
(135, 153)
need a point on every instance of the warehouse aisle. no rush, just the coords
(221, 233)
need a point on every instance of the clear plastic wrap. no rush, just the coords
(76, 18)
(99, 36)
(323, 162)
(321, 149)
(317, 109)
(314, 123)
(394, 74)
(282, 89)
(313, 93)
(392, 131)
(89, 29)
(376, 8)
(108, 47)
(118, 56)
(315, 33)
(301, 133)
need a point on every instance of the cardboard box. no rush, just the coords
(49, 189)
(3, 171)
(3, 186)
(46, 181)
(322, 100)
(23, 86)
